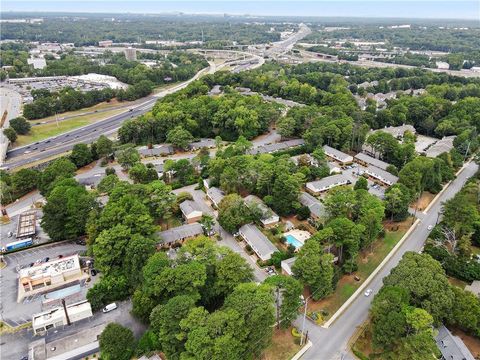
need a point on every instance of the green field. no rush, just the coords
(43, 131)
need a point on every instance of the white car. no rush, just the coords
(368, 292)
(430, 227)
(109, 307)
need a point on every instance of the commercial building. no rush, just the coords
(451, 347)
(131, 54)
(269, 218)
(179, 234)
(49, 275)
(257, 241)
(337, 155)
(317, 209)
(379, 174)
(26, 226)
(61, 316)
(366, 160)
(79, 345)
(191, 211)
(327, 183)
(215, 195)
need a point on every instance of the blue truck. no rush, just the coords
(19, 244)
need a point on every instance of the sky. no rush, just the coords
(443, 9)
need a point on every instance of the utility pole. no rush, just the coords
(277, 302)
(304, 318)
(66, 313)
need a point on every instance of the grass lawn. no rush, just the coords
(43, 131)
(367, 262)
(457, 282)
(424, 201)
(362, 341)
(283, 347)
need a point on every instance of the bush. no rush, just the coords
(295, 332)
(147, 343)
(110, 171)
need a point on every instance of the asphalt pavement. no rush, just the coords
(332, 343)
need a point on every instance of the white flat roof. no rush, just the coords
(51, 268)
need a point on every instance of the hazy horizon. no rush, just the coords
(460, 10)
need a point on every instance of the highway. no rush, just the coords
(89, 133)
(64, 142)
(332, 343)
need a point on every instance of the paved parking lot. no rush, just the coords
(352, 174)
(15, 313)
(11, 227)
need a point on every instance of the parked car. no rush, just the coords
(368, 292)
(430, 227)
(109, 307)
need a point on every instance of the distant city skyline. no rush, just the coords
(469, 10)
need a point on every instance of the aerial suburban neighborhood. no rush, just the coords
(227, 180)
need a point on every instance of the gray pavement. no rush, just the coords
(14, 346)
(14, 313)
(332, 343)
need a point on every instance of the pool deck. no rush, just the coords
(300, 235)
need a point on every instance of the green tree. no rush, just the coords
(128, 157)
(160, 200)
(397, 200)
(255, 304)
(142, 174)
(109, 288)
(107, 184)
(165, 322)
(425, 279)
(233, 213)
(361, 183)
(314, 269)
(81, 155)
(388, 316)
(286, 190)
(11, 134)
(24, 181)
(116, 342)
(289, 290)
(179, 137)
(59, 169)
(104, 146)
(64, 213)
(207, 222)
(20, 125)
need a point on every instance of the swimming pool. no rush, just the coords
(292, 240)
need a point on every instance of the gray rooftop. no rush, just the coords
(315, 206)
(180, 233)
(384, 174)
(372, 161)
(188, 206)
(337, 154)
(202, 143)
(396, 131)
(452, 347)
(267, 213)
(318, 185)
(157, 150)
(258, 241)
(270, 148)
(441, 146)
(215, 194)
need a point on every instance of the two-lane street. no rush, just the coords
(331, 343)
